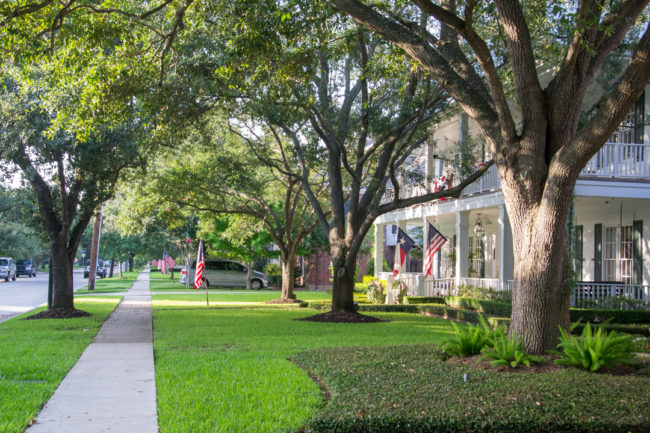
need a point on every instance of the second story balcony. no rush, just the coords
(614, 161)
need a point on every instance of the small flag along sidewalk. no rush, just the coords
(112, 387)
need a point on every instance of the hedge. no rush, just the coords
(628, 328)
(393, 308)
(424, 300)
(482, 305)
(616, 316)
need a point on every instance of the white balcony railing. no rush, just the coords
(613, 160)
(617, 160)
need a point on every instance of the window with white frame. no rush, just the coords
(618, 259)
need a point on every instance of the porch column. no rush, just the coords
(379, 248)
(462, 246)
(506, 257)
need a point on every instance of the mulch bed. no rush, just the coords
(283, 301)
(342, 317)
(58, 313)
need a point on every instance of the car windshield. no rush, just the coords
(23, 262)
(4, 262)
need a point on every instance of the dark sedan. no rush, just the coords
(25, 267)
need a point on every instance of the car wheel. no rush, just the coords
(256, 285)
(7, 277)
(13, 278)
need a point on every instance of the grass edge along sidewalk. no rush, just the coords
(35, 356)
(113, 284)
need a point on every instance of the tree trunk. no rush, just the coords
(343, 283)
(61, 264)
(110, 274)
(288, 276)
(541, 292)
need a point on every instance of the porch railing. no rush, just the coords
(610, 295)
(585, 295)
(618, 160)
(447, 286)
(613, 160)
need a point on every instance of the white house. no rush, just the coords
(611, 218)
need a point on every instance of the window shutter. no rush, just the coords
(598, 252)
(637, 252)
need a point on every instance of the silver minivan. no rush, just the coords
(226, 273)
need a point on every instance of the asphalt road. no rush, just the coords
(26, 293)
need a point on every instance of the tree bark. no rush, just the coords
(61, 264)
(288, 276)
(541, 292)
(343, 267)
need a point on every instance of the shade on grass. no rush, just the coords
(227, 370)
(113, 284)
(35, 356)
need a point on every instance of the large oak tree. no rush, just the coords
(540, 158)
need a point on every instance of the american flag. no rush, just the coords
(404, 245)
(154, 262)
(200, 262)
(434, 242)
(167, 263)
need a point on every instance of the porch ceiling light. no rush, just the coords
(478, 227)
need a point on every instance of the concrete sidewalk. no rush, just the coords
(112, 387)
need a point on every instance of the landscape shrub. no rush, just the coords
(594, 350)
(628, 328)
(398, 290)
(424, 300)
(485, 306)
(469, 291)
(616, 316)
(394, 308)
(508, 351)
(470, 340)
(614, 303)
(375, 292)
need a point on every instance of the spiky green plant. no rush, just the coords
(594, 350)
(471, 339)
(509, 351)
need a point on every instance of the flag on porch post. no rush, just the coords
(200, 263)
(404, 245)
(435, 241)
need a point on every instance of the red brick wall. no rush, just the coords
(321, 274)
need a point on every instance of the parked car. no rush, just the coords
(226, 273)
(101, 270)
(7, 268)
(25, 267)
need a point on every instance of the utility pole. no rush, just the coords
(94, 249)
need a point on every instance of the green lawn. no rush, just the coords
(226, 298)
(113, 284)
(227, 370)
(35, 356)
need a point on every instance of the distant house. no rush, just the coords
(610, 223)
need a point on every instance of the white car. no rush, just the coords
(226, 273)
(7, 268)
